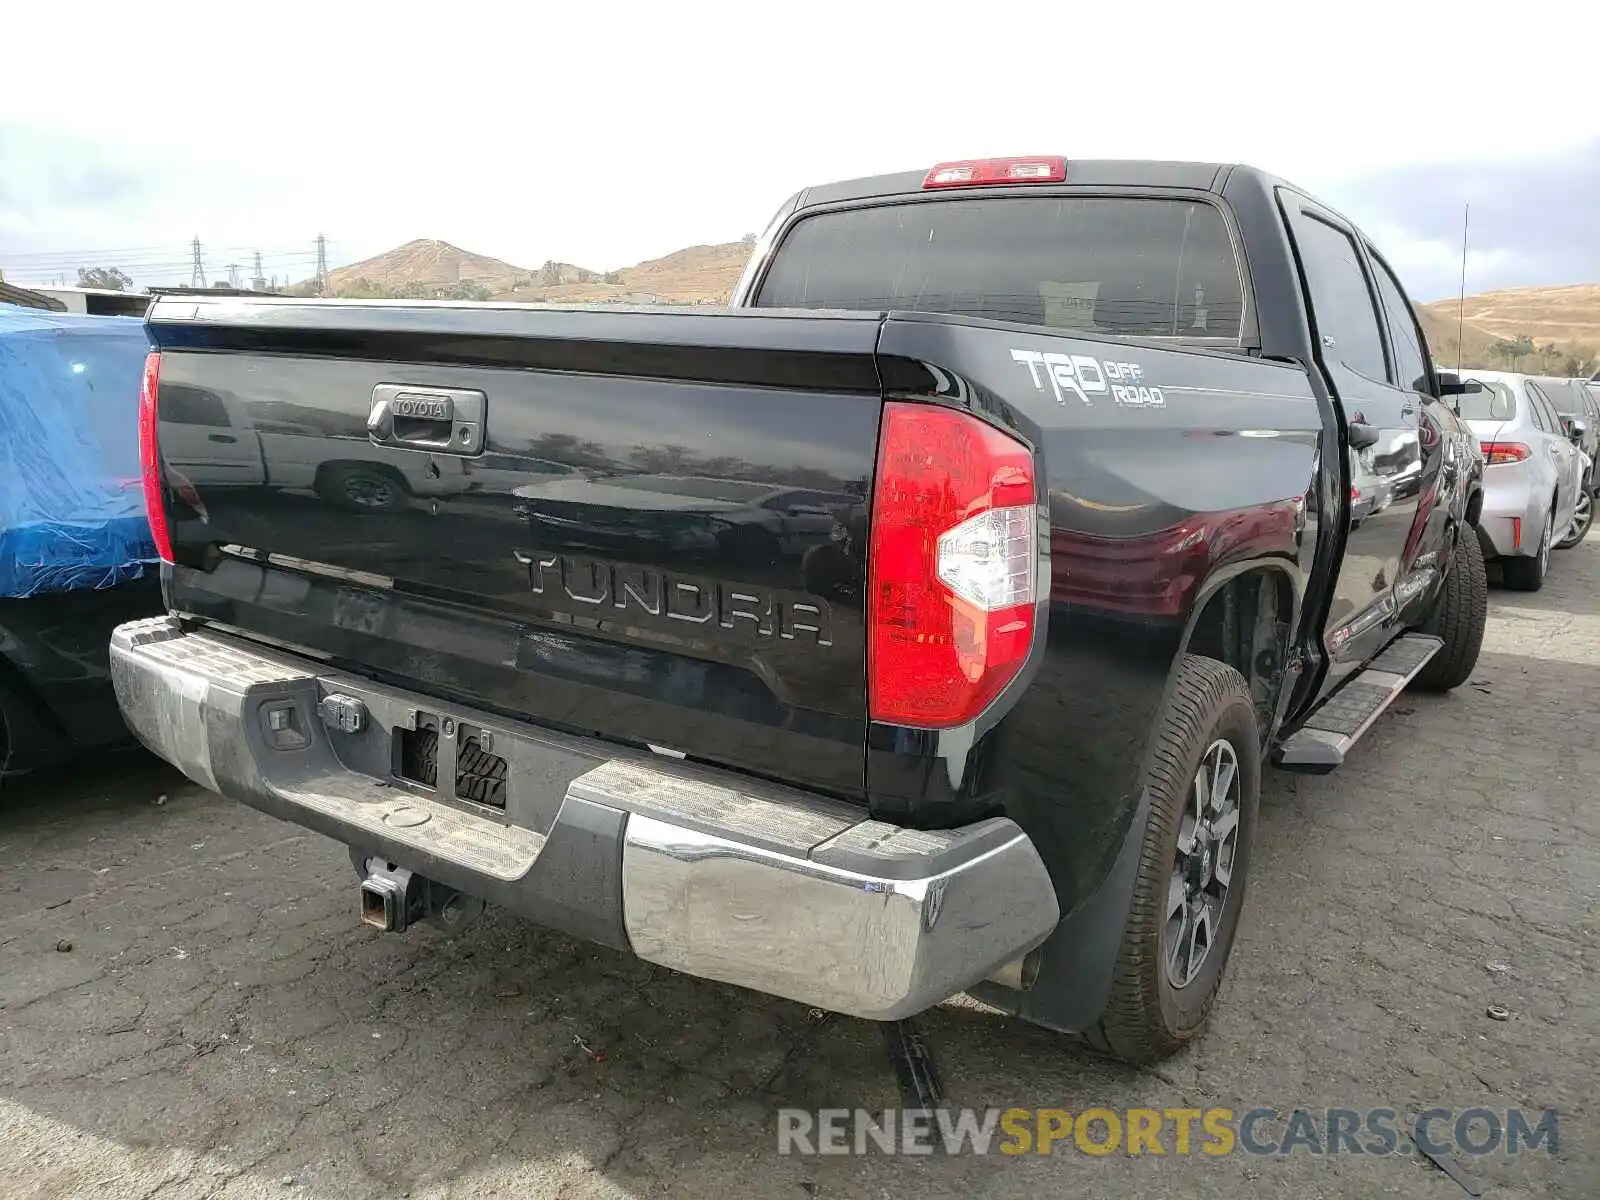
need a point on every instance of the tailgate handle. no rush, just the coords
(430, 419)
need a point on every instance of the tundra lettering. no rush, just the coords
(590, 583)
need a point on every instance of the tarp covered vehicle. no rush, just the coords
(75, 547)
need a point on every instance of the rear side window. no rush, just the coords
(1539, 404)
(1341, 301)
(1115, 265)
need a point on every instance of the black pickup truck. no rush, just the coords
(921, 625)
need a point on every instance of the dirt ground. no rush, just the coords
(188, 1007)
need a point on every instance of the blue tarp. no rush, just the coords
(71, 503)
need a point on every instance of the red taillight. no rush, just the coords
(1495, 453)
(1047, 168)
(150, 456)
(952, 566)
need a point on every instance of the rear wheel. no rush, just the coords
(358, 488)
(1582, 518)
(1458, 617)
(1205, 788)
(1527, 574)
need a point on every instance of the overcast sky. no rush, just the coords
(603, 134)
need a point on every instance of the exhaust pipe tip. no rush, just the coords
(1020, 974)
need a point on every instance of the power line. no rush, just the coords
(155, 256)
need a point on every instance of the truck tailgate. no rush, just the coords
(643, 526)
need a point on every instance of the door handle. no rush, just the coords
(433, 420)
(1408, 409)
(227, 439)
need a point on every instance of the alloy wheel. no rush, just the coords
(1582, 514)
(1208, 842)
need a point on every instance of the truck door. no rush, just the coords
(1382, 412)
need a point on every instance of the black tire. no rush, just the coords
(1527, 574)
(1458, 616)
(480, 776)
(419, 757)
(358, 488)
(1148, 1016)
(26, 741)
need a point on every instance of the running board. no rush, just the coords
(1341, 720)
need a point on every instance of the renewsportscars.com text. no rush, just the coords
(1213, 1132)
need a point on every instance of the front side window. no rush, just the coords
(1130, 266)
(184, 405)
(1410, 357)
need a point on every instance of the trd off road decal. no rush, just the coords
(1084, 376)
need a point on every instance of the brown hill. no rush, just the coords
(1439, 326)
(698, 275)
(428, 267)
(1545, 314)
(1543, 328)
(430, 263)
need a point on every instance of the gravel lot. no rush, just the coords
(188, 1007)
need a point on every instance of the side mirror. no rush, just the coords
(1577, 430)
(1451, 384)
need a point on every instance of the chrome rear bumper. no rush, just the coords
(707, 872)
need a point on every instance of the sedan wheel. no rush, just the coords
(1582, 518)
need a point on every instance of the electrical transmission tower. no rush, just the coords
(197, 275)
(322, 265)
(258, 281)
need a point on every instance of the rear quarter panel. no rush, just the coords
(1154, 497)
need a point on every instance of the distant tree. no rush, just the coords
(612, 277)
(110, 278)
(463, 291)
(748, 241)
(358, 289)
(1513, 350)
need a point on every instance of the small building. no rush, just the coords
(28, 298)
(96, 302)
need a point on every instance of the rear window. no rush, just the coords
(1495, 403)
(1567, 399)
(1123, 265)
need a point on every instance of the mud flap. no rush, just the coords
(1077, 960)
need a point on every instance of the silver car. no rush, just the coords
(1533, 474)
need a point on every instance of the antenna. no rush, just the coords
(1461, 301)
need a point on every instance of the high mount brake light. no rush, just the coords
(984, 172)
(1495, 453)
(150, 457)
(952, 566)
